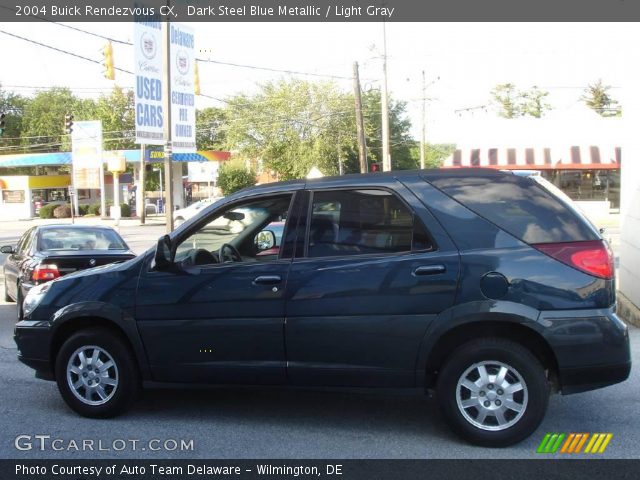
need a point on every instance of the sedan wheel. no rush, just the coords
(97, 374)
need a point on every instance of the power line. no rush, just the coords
(60, 50)
(277, 70)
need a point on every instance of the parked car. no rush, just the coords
(183, 214)
(45, 253)
(470, 283)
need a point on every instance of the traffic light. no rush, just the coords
(2, 123)
(107, 62)
(196, 82)
(68, 124)
(375, 167)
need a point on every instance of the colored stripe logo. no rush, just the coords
(574, 443)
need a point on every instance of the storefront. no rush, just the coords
(588, 173)
(21, 194)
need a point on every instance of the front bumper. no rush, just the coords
(33, 339)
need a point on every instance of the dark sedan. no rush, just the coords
(47, 252)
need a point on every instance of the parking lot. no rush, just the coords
(270, 422)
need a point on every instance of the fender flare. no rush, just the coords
(110, 314)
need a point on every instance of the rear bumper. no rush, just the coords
(576, 380)
(591, 348)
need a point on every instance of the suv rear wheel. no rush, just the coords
(97, 373)
(493, 392)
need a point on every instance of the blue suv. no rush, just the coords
(477, 284)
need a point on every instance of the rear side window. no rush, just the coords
(519, 206)
(357, 222)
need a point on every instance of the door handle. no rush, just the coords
(429, 270)
(267, 280)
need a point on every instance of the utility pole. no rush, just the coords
(362, 141)
(422, 140)
(386, 151)
(140, 203)
(168, 170)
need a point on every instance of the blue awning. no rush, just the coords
(64, 158)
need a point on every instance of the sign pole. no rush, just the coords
(168, 170)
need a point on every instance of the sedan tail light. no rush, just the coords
(593, 257)
(45, 272)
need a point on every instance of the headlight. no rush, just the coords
(33, 298)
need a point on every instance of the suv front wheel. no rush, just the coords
(493, 392)
(97, 373)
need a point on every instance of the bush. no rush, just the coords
(83, 209)
(125, 210)
(62, 211)
(232, 178)
(94, 209)
(47, 210)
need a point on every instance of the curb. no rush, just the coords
(628, 311)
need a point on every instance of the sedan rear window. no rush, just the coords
(518, 206)
(80, 239)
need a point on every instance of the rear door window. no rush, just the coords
(518, 206)
(358, 222)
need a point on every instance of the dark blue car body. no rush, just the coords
(369, 320)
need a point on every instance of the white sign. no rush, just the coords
(202, 171)
(148, 91)
(182, 71)
(86, 153)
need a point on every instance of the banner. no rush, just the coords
(182, 71)
(203, 171)
(86, 153)
(148, 89)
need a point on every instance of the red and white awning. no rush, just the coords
(574, 157)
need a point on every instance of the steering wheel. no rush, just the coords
(232, 254)
(200, 256)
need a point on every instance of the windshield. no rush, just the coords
(65, 238)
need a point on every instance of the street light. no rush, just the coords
(161, 202)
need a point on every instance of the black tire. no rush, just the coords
(7, 298)
(121, 396)
(470, 358)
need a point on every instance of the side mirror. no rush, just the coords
(265, 240)
(163, 255)
(7, 249)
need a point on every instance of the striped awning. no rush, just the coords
(575, 157)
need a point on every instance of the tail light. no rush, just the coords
(44, 273)
(593, 257)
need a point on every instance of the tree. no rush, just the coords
(210, 133)
(435, 154)
(43, 119)
(12, 105)
(399, 137)
(512, 103)
(596, 96)
(117, 113)
(533, 103)
(505, 97)
(232, 178)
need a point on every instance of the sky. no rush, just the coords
(462, 61)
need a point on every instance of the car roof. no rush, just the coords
(356, 179)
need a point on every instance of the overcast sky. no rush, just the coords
(469, 59)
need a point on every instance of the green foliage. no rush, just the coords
(596, 96)
(117, 113)
(512, 103)
(94, 209)
(210, 133)
(232, 178)
(47, 210)
(435, 154)
(83, 209)
(125, 210)
(62, 211)
(12, 105)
